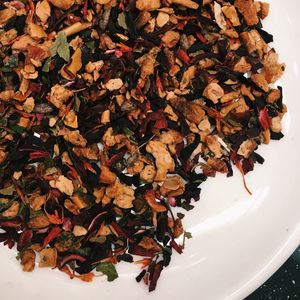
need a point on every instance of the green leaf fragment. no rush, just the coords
(187, 206)
(109, 270)
(128, 132)
(17, 128)
(11, 63)
(46, 66)
(122, 21)
(8, 191)
(49, 162)
(61, 47)
(91, 45)
(100, 239)
(180, 215)
(188, 235)
(76, 105)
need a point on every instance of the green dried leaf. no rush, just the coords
(11, 64)
(76, 105)
(34, 214)
(61, 47)
(46, 66)
(17, 128)
(188, 235)
(7, 191)
(187, 206)
(180, 215)
(109, 270)
(128, 132)
(91, 45)
(49, 162)
(122, 21)
(100, 239)
(4, 206)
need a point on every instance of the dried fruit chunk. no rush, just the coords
(149, 244)
(148, 173)
(230, 12)
(242, 66)
(145, 5)
(276, 125)
(254, 42)
(218, 165)
(65, 4)
(171, 137)
(59, 95)
(43, 10)
(260, 81)
(12, 211)
(213, 92)
(170, 38)
(79, 230)
(89, 152)
(28, 260)
(246, 148)
(48, 258)
(192, 111)
(162, 19)
(75, 138)
(79, 201)
(71, 119)
(7, 95)
(214, 145)
(272, 70)
(6, 15)
(219, 16)
(187, 77)
(7, 37)
(173, 186)
(150, 199)
(123, 195)
(63, 184)
(39, 222)
(185, 3)
(264, 9)
(107, 176)
(36, 202)
(70, 71)
(114, 84)
(163, 160)
(248, 10)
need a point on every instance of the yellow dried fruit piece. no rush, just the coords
(146, 5)
(63, 184)
(39, 222)
(163, 160)
(43, 10)
(173, 186)
(12, 211)
(59, 95)
(28, 260)
(71, 119)
(107, 176)
(74, 66)
(62, 4)
(48, 258)
(36, 31)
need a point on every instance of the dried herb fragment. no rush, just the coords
(109, 270)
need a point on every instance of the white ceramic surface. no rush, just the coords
(239, 241)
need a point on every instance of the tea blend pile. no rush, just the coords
(114, 112)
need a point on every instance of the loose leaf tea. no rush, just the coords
(112, 114)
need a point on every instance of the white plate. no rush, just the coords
(239, 241)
